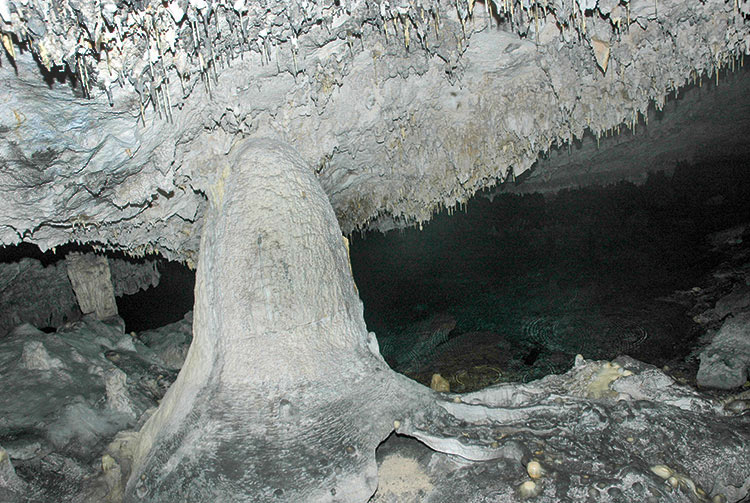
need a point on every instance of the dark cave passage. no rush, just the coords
(163, 304)
(35, 288)
(514, 287)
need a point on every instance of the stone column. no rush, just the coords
(92, 283)
(283, 396)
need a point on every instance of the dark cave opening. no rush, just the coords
(166, 303)
(512, 288)
(35, 288)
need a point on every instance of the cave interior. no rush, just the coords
(350, 251)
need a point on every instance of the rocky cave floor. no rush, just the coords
(672, 289)
(718, 307)
(470, 361)
(69, 394)
(73, 397)
(671, 331)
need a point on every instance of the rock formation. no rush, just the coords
(400, 109)
(64, 396)
(245, 137)
(92, 283)
(41, 294)
(725, 362)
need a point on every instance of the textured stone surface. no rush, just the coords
(696, 125)
(400, 109)
(64, 397)
(309, 432)
(31, 292)
(725, 362)
(394, 110)
(280, 391)
(12, 488)
(129, 277)
(170, 342)
(92, 284)
(589, 449)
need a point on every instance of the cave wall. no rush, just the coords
(39, 291)
(704, 123)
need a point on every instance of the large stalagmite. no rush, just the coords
(281, 394)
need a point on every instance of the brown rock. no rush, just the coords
(440, 383)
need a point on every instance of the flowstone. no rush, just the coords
(553, 440)
(284, 397)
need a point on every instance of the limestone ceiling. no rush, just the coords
(116, 116)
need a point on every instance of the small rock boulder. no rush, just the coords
(440, 383)
(725, 362)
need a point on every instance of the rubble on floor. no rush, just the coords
(65, 397)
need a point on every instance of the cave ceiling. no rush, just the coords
(117, 115)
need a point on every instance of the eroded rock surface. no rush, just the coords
(725, 362)
(92, 284)
(282, 391)
(387, 112)
(170, 342)
(722, 307)
(597, 431)
(64, 398)
(12, 488)
(400, 109)
(33, 293)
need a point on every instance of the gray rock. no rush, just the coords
(734, 303)
(727, 237)
(92, 283)
(129, 277)
(724, 363)
(118, 398)
(393, 132)
(170, 342)
(20, 300)
(385, 120)
(599, 449)
(291, 409)
(21, 283)
(9, 481)
(66, 395)
(35, 357)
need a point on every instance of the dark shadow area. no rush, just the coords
(165, 303)
(9, 254)
(514, 287)
(35, 288)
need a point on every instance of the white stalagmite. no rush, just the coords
(279, 335)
